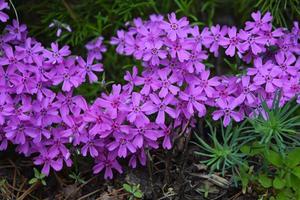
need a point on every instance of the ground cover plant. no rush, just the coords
(160, 114)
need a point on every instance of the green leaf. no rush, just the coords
(127, 187)
(138, 194)
(36, 173)
(43, 182)
(274, 158)
(32, 181)
(296, 172)
(293, 158)
(265, 181)
(278, 183)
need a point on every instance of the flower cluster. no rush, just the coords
(175, 78)
(173, 88)
(39, 121)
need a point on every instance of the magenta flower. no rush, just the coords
(195, 99)
(31, 52)
(251, 42)
(120, 41)
(108, 162)
(56, 55)
(47, 159)
(227, 110)
(260, 23)
(248, 90)
(112, 102)
(162, 107)
(137, 111)
(285, 63)
(166, 83)
(232, 43)
(175, 28)
(144, 132)
(205, 84)
(179, 49)
(96, 48)
(121, 144)
(154, 53)
(269, 77)
(87, 68)
(3, 16)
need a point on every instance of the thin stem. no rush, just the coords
(15, 10)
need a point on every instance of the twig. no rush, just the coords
(29, 190)
(183, 130)
(15, 10)
(21, 187)
(70, 11)
(81, 186)
(89, 194)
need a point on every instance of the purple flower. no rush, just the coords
(121, 144)
(88, 67)
(153, 52)
(68, 75)
(217, 33)
(166, 83)
(45, 113)
(16, 31)
(179, 48)
(112, 102)
(137, 110)
(99, 121)
(251, 41)
(162, 107)
(108, 162)
(260, 23)
(175, 28)
(285, 64)
(195, 99)
(120, 41)
(227, 110)
(31, 52)
(91, 145)
(269, 77)
(232, 43)
(3, 16)
(207, 85)
(56, 55)
(96, 48)
(248, 90)
(132, 79)
(47, 159)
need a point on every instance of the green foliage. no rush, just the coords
(77, 177)
(134, 191)
(38, 177)
(222, 154)
(280, 174)
(276, 127)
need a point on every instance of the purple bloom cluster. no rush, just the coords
(173, 88)
(174, 77)
(38, 121)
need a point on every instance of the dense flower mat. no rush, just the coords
(171, 91)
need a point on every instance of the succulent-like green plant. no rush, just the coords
(224, 153)
(276, 127)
